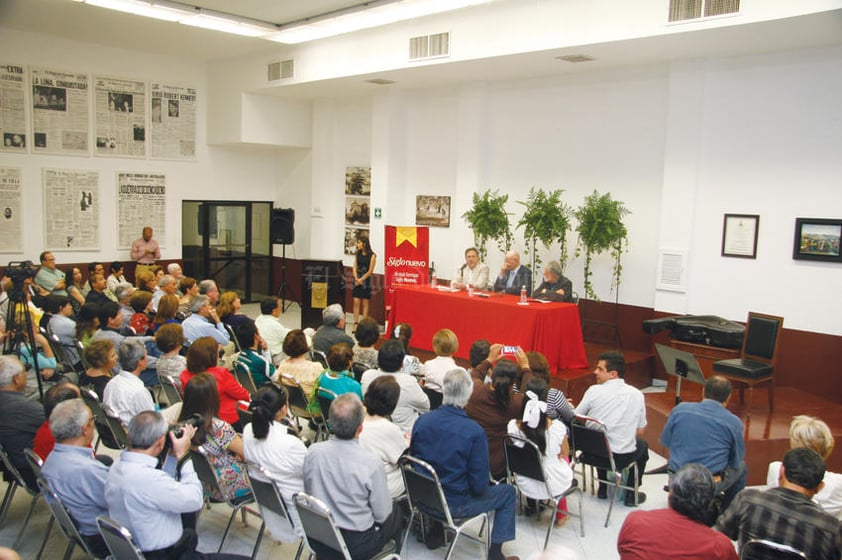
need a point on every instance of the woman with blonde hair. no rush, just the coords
(445, 344)
(813, 433)
(229, 310)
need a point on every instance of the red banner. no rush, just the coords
(407, 258)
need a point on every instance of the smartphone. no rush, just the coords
(509, 350)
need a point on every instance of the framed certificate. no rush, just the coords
(739, 235)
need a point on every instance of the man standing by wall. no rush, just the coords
(145, 251)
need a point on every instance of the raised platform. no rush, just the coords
(767, 435)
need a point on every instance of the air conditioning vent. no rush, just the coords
(436, 45)
(280, 70)
(671, 273)
(682, 10)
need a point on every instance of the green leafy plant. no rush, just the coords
(489, 221)
(601, 229)
(546, 219)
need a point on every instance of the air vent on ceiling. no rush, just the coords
(429, 46)
(671, 273)
(280, 70)
(681, 10)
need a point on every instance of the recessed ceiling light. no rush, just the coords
(380, 81)
(576, 58)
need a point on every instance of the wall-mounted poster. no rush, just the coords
(141, 202)
(358, 181)
(173, 122)
(11, 240)
(71, 209)
(432, 211)
(357, 206)
(12, 108)
(59, 112)
(120, 116)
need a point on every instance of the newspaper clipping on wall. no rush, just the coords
(59, 112)
(12, 108)
(173, 122)
(71, 209)
(120, 115)
(141, 202)
(10, 223)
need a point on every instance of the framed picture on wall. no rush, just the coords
(739, 235)
(817, 239)
(432, 211)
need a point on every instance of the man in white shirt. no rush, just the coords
(270, 327)
(621, 409)
(125, 395)
(472, 272)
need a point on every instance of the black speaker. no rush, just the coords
(282, 229)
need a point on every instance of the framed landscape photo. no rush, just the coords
(739, 235)
(432, 211)
(817, 239)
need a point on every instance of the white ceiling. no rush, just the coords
(76, 21)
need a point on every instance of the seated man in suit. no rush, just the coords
(556, 286)
(513, 276)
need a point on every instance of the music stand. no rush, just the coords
(682, 365)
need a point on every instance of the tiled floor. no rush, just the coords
(599, 543)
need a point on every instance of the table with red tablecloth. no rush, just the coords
(554, 329)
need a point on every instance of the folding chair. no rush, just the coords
(320, 529)
(319, 356)
(358, 369)
(170, 388)
(243, 375)
(325, 398)
(523, 458)
(65, 522)
(208, 476)
(761, 549)
(268, 499)
(426, 497)
(118, 539)
(16, 482)
(434, 396)
(590, 447)
(109, 429)
(298, 402)
(233, 336)
(66, 362)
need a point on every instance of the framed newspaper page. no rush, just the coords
(71, 209)
(60, 102)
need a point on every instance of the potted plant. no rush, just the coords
(601, 229)
(546, 219)
(489, 220)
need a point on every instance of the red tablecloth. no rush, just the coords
(554, 329)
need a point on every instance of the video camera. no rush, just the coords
(19, 271)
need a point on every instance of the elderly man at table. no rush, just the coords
(556, 286)
(513, 276)
(412, 401)
(473, 272)
(332, 330)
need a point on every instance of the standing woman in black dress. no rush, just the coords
(363, 270)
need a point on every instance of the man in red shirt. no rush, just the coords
(44, 440)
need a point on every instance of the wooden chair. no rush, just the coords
(756, 364)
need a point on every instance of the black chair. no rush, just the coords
(523, 458)
(243, 375)
(81, 351)
(320, 527)
(358, 369)
(207, 474)
(66, 362)
(268, 499)
(65, 522)
(245, 416)
(325, 398)
(110, 431)
(590, 447)
(170, 389)
(426, 497)
(17, 481)
(756, 364)
(319, 356)
(298, 402)
(434, 396)
(118, 539)
(233, 336)
(760, 549)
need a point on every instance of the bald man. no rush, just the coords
(513, 276)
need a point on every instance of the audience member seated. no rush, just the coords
(403, 333)
(457, 448)
(491, 406)
(551, 438)
(74, 290)
(683, 529)
(141, 304)
(74, 474)
(115, 277)
(97, 293)
(558, 407)
(111, 324)
(87, 323)
(621, 409)
(477, 354)
(445, 344)
(473, 272)
(124, 292)
(270, 327)
(125, 395)
(222, 445)
(149, 502)
(513, 276)
(210, 289)
(20, 417)
(167, 286)
(556, 286)
(332, 330)
(351, 481)
(189, 289)
(43, 354)
(229, 310)
(146, 281)
(481, 372)
(412, 400)
(167, 311)
(255, 353)
(49, 277)
(267, 443)
(44, 441)
(169, 339)
(102, 357)
(367, 335)
(296, 365)
(337, 378)
(810, 432)
(380, 435)
(174, 270)
(203, 356)
(787, 514)
(203, 321)
(707, 433)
